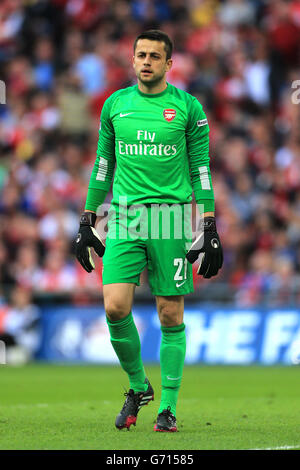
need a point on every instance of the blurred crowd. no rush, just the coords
(61, 59)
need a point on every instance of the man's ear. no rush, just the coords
(169, 64)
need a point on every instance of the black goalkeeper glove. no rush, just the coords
(208, 243)
(88, 237)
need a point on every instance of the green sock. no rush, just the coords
(125, 340)
(172, 355)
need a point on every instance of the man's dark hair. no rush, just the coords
(156, 35)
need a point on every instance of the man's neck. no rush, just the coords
(151, 90)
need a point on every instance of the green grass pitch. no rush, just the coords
(220, 407)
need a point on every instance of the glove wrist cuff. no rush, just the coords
(209, 224)
(88, 218)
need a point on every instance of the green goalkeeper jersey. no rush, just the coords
(157, 144)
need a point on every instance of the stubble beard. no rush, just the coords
(152, 82)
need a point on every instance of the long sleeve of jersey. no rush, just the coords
(104, 166)
(197, 136)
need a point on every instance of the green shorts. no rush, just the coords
(141, 237)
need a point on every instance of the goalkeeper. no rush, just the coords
(156, 139)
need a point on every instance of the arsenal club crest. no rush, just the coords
(169, 114)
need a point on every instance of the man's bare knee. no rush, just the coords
(117, 300)
(167, 318)
(116, 310)
(169, 315)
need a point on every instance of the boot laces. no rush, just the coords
(130, 404)
(167, 414)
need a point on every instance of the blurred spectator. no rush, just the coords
(244, 198)
(237, 12)
(257, 282)
(91, 70)
(56, 275)
(26, 265)
(19, 76)
(11, 19)
(150, 11)
(43, 64)
(7, 280)
(257, 75)
(74, 106)
(20, 327)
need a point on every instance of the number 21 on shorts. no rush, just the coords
(181, 272)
